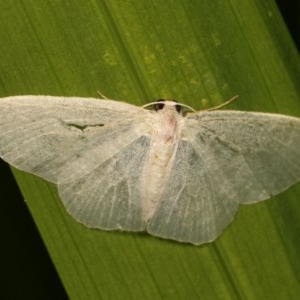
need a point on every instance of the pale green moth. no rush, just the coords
(176, 175)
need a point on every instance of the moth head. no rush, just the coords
(161, 104)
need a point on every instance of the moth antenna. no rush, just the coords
(102, 95)
(223, 104)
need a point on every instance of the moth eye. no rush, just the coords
(178, 107)
(158, 106)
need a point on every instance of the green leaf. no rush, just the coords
(201, 53)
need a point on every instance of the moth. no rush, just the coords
(173, 173)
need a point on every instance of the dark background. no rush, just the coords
(26, 269)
